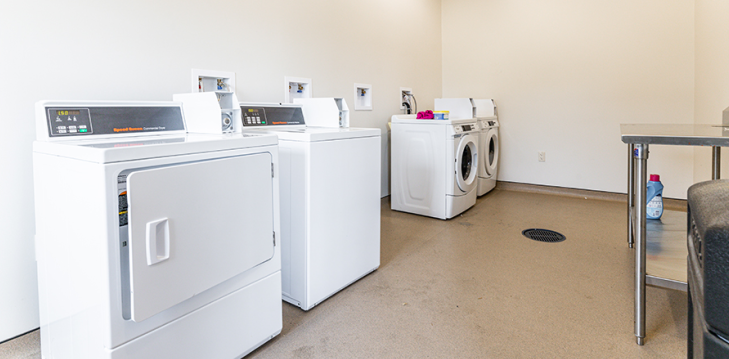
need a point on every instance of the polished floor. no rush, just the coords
(474, 287)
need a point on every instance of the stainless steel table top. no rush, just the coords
(682, 135)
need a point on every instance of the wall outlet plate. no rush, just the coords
(541, 156)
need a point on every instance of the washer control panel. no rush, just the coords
(465, 128)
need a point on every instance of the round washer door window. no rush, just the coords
(466, 164)
(492, 148)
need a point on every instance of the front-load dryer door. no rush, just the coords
(491, 154)
(195, 225)
(466, 163)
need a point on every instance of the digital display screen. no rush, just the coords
(68, 112)
(467, 127)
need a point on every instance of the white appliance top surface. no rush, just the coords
(414, 120)
(313, 134)
(143, 147)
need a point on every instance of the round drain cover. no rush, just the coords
(543, 235)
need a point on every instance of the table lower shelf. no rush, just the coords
(666, 251)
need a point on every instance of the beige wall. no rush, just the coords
(712, 76)
(566, 73)
(144, 50)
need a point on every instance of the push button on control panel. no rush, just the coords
(254, 117)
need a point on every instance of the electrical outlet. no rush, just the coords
(541, 156)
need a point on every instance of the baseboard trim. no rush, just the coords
(668, 203)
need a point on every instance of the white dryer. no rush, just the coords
(330, 198)
(434, 165)
(150, 242)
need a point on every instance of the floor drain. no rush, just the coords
(543, 235)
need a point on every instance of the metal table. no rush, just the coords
(638, 138)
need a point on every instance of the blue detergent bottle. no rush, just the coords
(654, 198)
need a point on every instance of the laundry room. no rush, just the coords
(547, 115)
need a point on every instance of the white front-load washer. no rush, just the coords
(330, 199)
(150, 242)
(484, 111)
(489, 142)
(488, 123)
(434, 165)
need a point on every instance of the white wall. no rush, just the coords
(144, 50)
(566, 73)
(712, 77)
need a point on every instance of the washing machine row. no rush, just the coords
(153, 242)
(439, 167)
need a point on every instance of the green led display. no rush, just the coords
(83, 130)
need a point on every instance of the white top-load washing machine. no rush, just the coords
(330, 200)
(434, 165)
(484, 111)
(150, 242)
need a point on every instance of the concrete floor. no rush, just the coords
(474, 287)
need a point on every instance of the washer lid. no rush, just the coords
(314, 134)
(143, 147)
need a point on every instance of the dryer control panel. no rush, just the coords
(64, 121)
(271, 116)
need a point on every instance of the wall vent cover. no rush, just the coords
(543, 235)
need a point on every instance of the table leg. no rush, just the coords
(715, 162)
(631, 192)
(641, 156)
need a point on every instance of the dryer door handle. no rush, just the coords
(158, 241)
